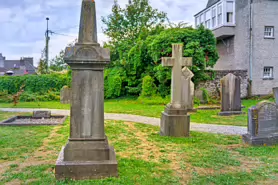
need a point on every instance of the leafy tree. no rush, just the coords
(58, 63)
(42, 67)
(126, 27)
(139, 37)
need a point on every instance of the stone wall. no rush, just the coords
(213, 86)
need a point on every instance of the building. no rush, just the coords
(16, 67)
(246, 32)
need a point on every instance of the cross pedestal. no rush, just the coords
(87, 155)
(174, 120)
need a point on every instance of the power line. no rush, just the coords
(62, 34)
(67, 28)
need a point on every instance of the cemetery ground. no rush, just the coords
(28, 156)
(150, 109)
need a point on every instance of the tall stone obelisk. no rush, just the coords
(87, 154)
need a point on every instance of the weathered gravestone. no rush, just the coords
(174, 120)
(230, 95)
(41, 114)
(275, 93)
(262, 124)
(65, 95)
(187, 89)
(87, 155)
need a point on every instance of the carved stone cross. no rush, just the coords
(177, 61)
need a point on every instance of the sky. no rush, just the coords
(23, 23)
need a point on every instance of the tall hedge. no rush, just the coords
(34, 83)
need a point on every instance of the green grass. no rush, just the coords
(136, 107)
(144, 157)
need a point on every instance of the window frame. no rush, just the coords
(219, 13)
(270, 76)
(271, 32)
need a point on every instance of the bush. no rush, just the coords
(206, 97)
(5, 97)
(148, 87)
(34, 83)
(197, 101)
(33, 97)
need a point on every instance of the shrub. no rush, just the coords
(5, 97)
(148, 87)
(197, 101)
(206, 97)
(34, 83)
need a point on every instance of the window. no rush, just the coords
(197, 21)
(202, 19)
(207, 18)
(230, 11)
(268, 72)
(213, 17)
(219, 14)
(269, 32)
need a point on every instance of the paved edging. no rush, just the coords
(210, 128)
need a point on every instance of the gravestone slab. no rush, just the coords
(262, 124)
(42, 114)
(275, 93)
(187, 89)
(174, 120)
(65, 95)
(87, 155)
(230, 95)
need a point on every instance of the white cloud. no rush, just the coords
(23, 24)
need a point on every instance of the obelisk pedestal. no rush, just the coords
(87, 155)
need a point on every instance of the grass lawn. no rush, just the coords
(28, 155)
(132, 106)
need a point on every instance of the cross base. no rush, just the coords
(175, 123)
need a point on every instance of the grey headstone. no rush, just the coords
(230, 95)
(42, 114)
(174, 120)
(187, 88)
(262, 124)
(275, 93)
(65, 95)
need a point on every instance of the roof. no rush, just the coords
(9, 64)
(2, 69)
(211, 2)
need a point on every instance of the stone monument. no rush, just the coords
(275, 93)
(65, 95)
(87, 155)
(174, 120)
(262, 124)
(230, 95)
(187, 89)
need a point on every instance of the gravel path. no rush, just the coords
(210, 128)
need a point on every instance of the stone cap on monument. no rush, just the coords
(87, 50)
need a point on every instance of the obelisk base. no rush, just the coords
(175, 123)
(80, 160)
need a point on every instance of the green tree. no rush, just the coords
(43, 66)
(126, 27)
(58, 63)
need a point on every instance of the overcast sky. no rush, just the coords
(23, 24)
